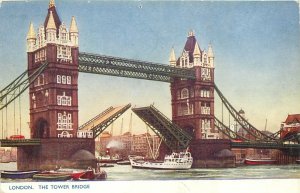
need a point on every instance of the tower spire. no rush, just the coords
(51, 3)
(51, 23)
(172, 59)
(210, 52)
(31, 32)
(73, 26)
(197, 52)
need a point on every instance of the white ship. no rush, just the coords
(175, 161)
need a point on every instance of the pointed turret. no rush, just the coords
(74, 32)
(73, 26)
(197, 52)
(51, 29)
(51, 3)
(51, 23)
(172, 58)
(210, 51)
(210, 56)
(197, 55)
(31, 32)
(31, 38)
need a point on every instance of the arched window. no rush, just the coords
(184, 93)
(65, 134)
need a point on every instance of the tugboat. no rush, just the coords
(175, 161)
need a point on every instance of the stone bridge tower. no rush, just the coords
(53, 95)
(54, 98)
(193, 100)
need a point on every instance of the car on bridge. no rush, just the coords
(16, 137)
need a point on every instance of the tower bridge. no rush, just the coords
(54, 62)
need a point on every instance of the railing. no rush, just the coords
(261, 145)
(115, 66)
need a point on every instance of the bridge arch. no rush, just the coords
(41, 128)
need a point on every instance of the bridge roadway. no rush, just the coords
(257, 145)
(264, 145)
(19, 142)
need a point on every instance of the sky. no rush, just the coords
(256, 47)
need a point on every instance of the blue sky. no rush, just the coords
(256, 46)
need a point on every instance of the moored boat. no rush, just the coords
(175, 161)
(261, 161)
(76, 174)
(125, 162)
(52, 177)
(18, 174)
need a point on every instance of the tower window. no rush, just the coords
(63, 80)
(205, 93)
(58, 79)
(205, 108)
(184, 93)
(64, 100)
(68, 79)
(64, 121)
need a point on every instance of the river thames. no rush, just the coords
(126, 173)
(124, 179)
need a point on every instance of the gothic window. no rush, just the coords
(205, 108)
(184, 93)
(58, 79)
(205, 74)
(41, 79)
(64, 100)
(64, 53)
(68, 79)
(205, 93)
(63, 80)
(64, 121)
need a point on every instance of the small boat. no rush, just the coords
(101, 175)
(106, 165)
(298, 161)
(75, 174)
(52, 177)
(109, 159)
(18, 174)
(125, 162)
(261, 161)
(175, 161)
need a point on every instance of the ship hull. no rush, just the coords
(259, 161)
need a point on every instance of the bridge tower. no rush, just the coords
(53, 96)
(193, 100)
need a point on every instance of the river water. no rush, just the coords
(125, 172)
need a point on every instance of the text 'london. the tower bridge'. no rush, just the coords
(54, 62)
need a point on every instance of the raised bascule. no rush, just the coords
(54, 62)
